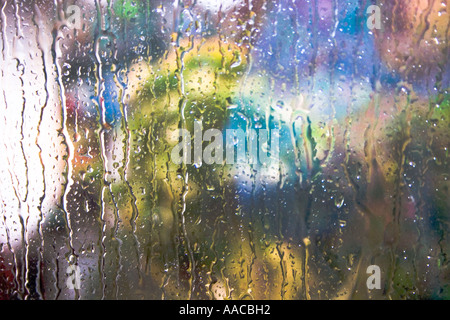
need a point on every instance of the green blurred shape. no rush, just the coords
(127, 9)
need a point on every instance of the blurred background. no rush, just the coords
(92, 100)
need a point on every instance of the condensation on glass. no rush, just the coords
(94, 95)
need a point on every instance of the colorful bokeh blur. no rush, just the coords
(90, 115)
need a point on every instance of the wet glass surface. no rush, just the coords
(340, 108)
